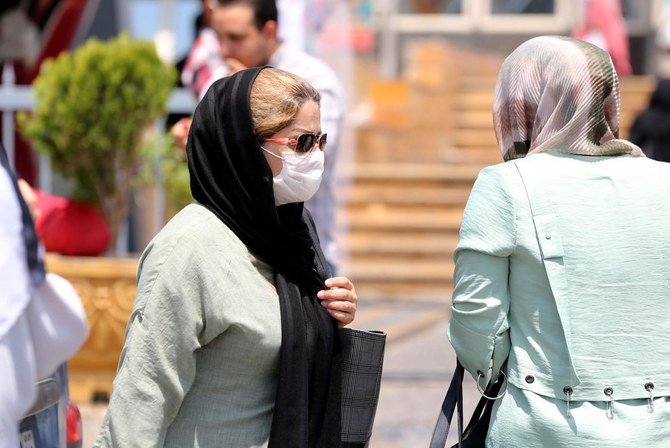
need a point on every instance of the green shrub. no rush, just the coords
(92, 106)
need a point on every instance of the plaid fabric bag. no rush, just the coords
(362, 360)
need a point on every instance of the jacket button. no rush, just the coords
(530, 379)
(547, 236)
(567, 390)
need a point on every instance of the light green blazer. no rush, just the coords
(574, 289)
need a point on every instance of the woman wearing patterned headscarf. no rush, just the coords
(562, 278)
(233, 340)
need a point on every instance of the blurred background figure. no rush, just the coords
(204, 63)
(32, 31)
(604, 27)
(248, 36)
(651, 129)
(42, 320)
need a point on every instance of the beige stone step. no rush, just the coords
(479, 155)
(403, 290)
(477, 83)
(383, 218)
(417, 195)
(383, 269)
(372, 243)
(477, 99)
(469, 138)
(391, 172)
(473, 119)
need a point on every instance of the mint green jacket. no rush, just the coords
(573, 289)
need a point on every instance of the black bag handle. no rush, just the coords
(452, 400)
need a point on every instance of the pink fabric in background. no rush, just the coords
(605, 17)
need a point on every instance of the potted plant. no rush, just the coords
(92, 108)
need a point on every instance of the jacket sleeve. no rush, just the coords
(478, 328)
(158, 360)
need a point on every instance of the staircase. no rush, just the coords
(416, 160)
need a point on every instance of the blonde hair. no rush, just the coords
(276, 97)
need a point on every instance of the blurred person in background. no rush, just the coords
(42, 320)
(562, 262)
(248, 36)
(604, 27)
(651, 129)
(233, 339)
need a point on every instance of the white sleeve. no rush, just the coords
(58, 324)
(14, 281)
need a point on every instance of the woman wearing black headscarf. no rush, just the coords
(233, 340)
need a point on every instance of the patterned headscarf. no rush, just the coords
(558, 94)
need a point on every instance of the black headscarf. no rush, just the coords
(230, 176)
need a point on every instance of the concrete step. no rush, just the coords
(483, 138)
(478, 155)
(402, 194)
(382, 269)
(402, 280)
(473, 119)
(403, 220)
(375, 243)
(391, 172)
(403, 290)
(474, 99)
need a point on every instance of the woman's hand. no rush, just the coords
(180, 132)
(339, 299)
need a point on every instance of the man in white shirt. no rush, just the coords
(248, 37)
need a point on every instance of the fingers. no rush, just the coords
(234, 65)
(336, 294)
(29, 197)
(339, 282)
(341, 317)
(339, 300)
(180, 132)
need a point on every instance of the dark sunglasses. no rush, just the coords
(304, 144)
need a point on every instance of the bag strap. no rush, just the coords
(452, 400)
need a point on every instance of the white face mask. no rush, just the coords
(299, 178)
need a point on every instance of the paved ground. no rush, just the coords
(418, 366)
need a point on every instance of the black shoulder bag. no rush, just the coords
(474, 435)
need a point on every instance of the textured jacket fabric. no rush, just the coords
(577, 297)
(223, 317)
